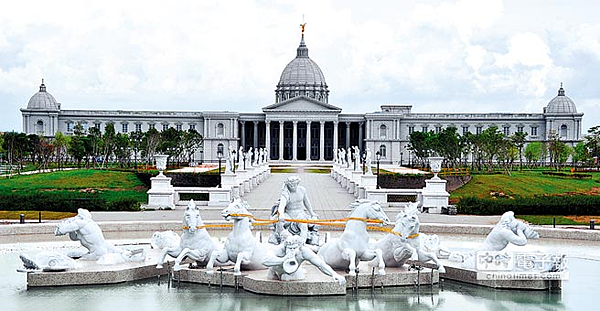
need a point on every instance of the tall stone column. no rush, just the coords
(308, 146)
(243, 134)
(347, 135)
(322, 141)
(268, 138)
(360, 136)
(295, 141)
(280, 140)
(335, 135)
(255, 143)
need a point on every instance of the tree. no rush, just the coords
(94, 143)
(448, 145)
(491, 142)
(135, 140)
(556, 149)
(420, 144)
(121, 148)
(192, 140)
(60, 144)
(592, 142)
(518, 139)
(76, 145)
(150, 143)
(108, 142)
(533, 151)
(580, 153)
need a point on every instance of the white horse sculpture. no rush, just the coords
(195, 244)
(353, 245)
(83, 229)
(241, 247)
(408, 243)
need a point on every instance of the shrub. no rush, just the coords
(65, 202)
(535, 205)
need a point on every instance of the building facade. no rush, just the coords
(301, 125)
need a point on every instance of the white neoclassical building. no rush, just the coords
(301, 125)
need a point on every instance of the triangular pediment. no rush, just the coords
(301, 103)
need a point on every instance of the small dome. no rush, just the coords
(43, 100)
(302, 76)
(561, 103)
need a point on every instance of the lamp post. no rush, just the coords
(378, 155)
(220, 157)
(244, 158)
(401, 161)
(233, 162)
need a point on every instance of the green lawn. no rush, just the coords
(283, 170)
(108, 185)
(527, 183)
(547, 220)
(33, 215)
(318, 170)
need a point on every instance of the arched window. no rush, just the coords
(383, 131)
(220, 129)
(39, 127)
(563, 131)
(220, 149)
(382, 151)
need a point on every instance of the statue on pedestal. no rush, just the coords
(368, 160)
(249, 155)
(349, 156)
(356, 159)
(240, 164)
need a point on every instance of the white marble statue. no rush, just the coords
(356, 159)
(407, 243)
(164, 239)
(294, 204)
(47, 261)
(240, 158)
(335, 156)
(256, 156)
(508, 230)
(261, 156)
(83, 229)
(368, 160)
(289, 256)
(342, 157)
(249, 155)
(349, 162)
(195, 244)
(241, 246)
(267, 155)
(353, 244)
(230, 160)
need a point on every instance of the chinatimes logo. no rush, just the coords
(508, 265)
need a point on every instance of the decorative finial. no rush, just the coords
(42, 86)
(302, 26)
(561, 91)
(42, 80)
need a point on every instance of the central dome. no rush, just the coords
(302, 77)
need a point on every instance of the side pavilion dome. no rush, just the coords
(43, 100)
(302, 76)
(561, 103)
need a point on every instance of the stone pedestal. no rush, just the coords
(229, 180)
(161, 193)
(435, 195)
(368, 181)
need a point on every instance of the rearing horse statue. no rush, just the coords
(353, 245)
(241, 247)
(195, 243)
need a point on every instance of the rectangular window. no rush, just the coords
(165, 127)
(84, 126)
(192, 126)
(69, 126)
(506, 130)
(97, 125)
(178, 127)
(519, 129)
(124, 128)
(424, 129)
(138, 127)
(411, 129)
(534, 131)
(151, 126)
(438, 129)
(465, 130)
(478, 129)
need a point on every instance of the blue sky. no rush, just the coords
(439, 56)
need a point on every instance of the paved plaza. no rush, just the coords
(328, 198)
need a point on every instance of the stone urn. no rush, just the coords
(436, 165)
(161, 163)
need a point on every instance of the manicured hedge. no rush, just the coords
(569, 175)
(535, 205)
(65, 202)
(184, 179)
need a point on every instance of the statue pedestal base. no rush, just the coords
(435, 195)
(161, 193)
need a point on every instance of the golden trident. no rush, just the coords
(302, 26)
